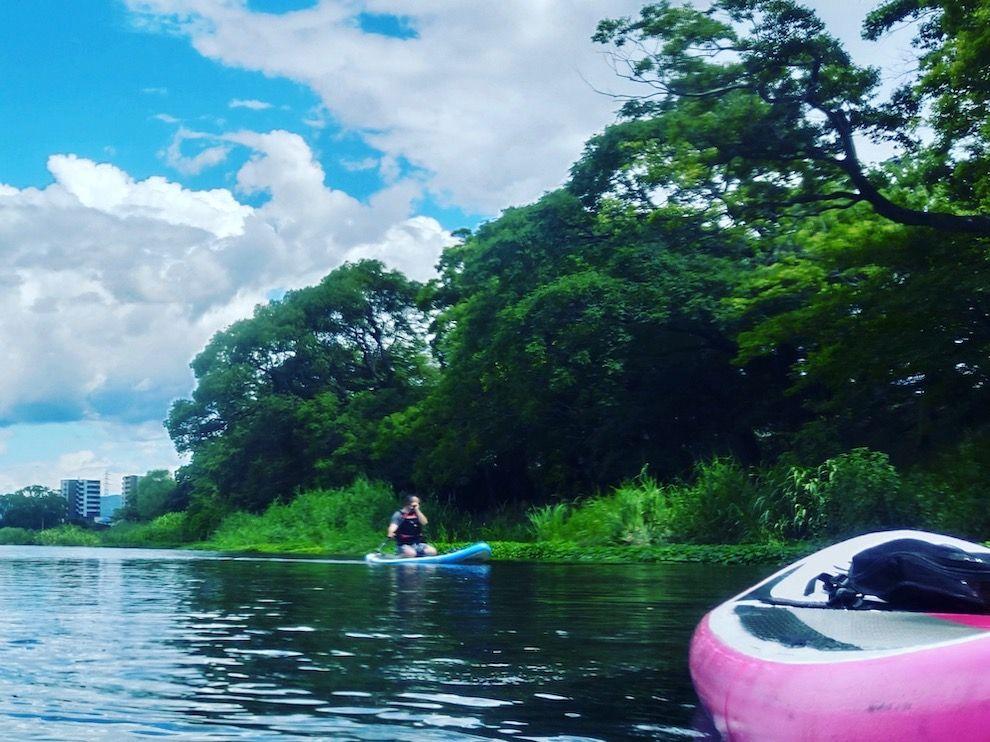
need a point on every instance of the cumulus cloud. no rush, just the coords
(111, 284)
(493, 100)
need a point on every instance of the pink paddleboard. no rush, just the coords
(774, 672)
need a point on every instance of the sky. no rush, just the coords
(167, 165)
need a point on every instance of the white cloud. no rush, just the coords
(108, 189)
(368, 163)
(413, 247)
(112, 284)
(83, 450)
(250, 104)
(205, 158)
(492, 100)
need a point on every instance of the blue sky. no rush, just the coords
(168, 164)
(88, 79)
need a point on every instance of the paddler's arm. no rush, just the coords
(393, 525)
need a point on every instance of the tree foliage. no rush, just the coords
(578, 346)
(157, 493)
(34, 507)
(723, 279)
(283, 399)
(753, 109)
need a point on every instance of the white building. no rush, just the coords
(82, 497)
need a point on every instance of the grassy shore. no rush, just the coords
(638, 522)
(155, 536)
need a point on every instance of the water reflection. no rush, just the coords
(123, 643)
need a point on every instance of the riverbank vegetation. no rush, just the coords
(728, 327)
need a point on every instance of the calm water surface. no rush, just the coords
(118, 644)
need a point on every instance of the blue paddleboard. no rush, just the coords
(479, 552)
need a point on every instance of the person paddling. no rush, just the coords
(406, 527)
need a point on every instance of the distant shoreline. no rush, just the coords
(502, 551)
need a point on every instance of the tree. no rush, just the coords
(156, 494)
(754, 110)
(892, 329)
(289, 398)
(34, 506)
(578, 346)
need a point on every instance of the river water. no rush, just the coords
(132, 644)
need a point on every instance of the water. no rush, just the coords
(118, 644)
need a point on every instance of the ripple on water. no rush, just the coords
(458, 700)
(124, 647)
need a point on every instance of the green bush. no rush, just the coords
(852, 493)
(718, 507)
(952, 490)
(862, 492)
(451, 523)
(165, 530)
(635, 513)
(342, 520)
(16, 536)
(549, 522)
(203, 518)
(67, 536)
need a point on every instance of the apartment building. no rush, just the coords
(82, 497)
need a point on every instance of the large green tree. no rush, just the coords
(751, 109)
(891, 326)
(34, 506)
(286, 399)
(579, 346)
(156, 494)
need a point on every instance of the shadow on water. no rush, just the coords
(110, 643)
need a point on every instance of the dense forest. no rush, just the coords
(728, 307)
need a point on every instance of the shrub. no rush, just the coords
(16, 536)
(635, 513)
(861, 491)
(549, 522)
(952, 491)
(508, 522)
(346, 519)
(717, 507)
(165, 530)
(67, 536)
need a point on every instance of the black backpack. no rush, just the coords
(912, 575)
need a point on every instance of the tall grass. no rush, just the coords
(10, 535)
(634, 513)
(449, 523)
(346, 520)
(67, 536)
(724, 502)
(165, 530)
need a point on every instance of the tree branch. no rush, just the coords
(969, 224)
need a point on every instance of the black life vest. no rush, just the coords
(410, 530)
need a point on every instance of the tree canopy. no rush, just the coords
(281, 398)
(752, 109)
(722, 275)
(34, 507)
